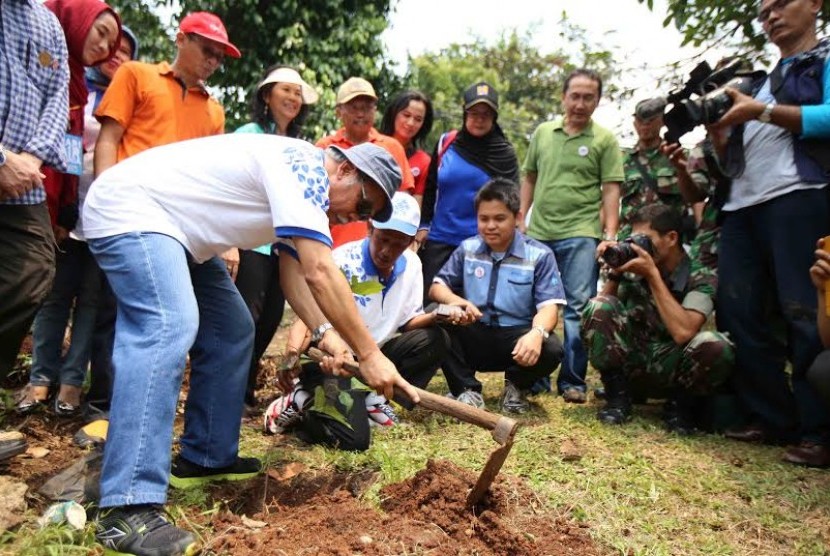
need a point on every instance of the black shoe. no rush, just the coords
(186, 474)
(679, 418)
(617, 408)
(142, 531)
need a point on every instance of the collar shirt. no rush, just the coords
(384, 304)
(214, 193)
(34, 86)
(508, 290)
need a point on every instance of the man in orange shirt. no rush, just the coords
(356, 107)
(148, 105)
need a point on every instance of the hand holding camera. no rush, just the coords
(633, 254)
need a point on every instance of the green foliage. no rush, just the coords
(529, 82)
(716, 21)
(327, 40)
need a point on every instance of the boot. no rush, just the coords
(617, 408)
(678, 413)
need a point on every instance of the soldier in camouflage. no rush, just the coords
(651, 176)
(648, 331)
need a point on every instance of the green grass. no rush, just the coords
(640, 490)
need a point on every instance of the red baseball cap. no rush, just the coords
(209, 25)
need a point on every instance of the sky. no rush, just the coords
(419, 26)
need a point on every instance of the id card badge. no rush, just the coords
(73, 146)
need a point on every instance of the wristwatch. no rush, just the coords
(318, 332)
(2, 155)
(541, 330)
(766, 116)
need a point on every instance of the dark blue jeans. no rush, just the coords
(765, 255)
(576, 259)
(74, 292)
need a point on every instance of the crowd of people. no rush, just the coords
(129, 216)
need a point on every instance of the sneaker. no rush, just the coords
(186, 474)
(471, 397)
(282, 414)
(142, 531)
(574, 395)
(514, 400)
(382, 415)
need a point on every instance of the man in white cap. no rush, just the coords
(156, 224)
(387, 285)
(356, 107)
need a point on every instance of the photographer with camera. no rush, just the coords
(654, 174)
(647, 330)
(774, 144)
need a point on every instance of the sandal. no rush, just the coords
(65, 408)
(31, 402)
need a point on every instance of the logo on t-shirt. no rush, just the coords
(479, 272)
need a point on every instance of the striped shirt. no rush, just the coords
(34, 91)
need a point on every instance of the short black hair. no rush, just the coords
(500, 189)
(261, 113)
(396, 105)
(661, 218)
(583, 72)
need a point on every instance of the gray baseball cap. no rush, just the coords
(378, 164)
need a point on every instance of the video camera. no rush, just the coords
(711, 101)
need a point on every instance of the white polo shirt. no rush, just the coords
(215, 193)
(385, 305)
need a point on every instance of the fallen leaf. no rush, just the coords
(252, 523)
(37, 452)
(287, 471)
(570, 451)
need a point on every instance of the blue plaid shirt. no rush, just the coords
(34, 86)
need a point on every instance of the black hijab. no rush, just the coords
(493, 153)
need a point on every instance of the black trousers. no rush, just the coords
(416, 354)
(100, 362)
(819, 375)
(258, 282)
(482, 348)
(27, 268)
(433, 256)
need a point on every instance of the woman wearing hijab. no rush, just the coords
(92, 30)
(462, 163)
(279, 105)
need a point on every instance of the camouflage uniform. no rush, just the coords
(636, 193)
(704, 248)
(626, 333)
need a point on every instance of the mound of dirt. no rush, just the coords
(426, 514)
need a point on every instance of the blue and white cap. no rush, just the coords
(405, 215)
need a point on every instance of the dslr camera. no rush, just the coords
(620, 253)
(710, 100)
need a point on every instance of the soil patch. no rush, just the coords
(426, 514)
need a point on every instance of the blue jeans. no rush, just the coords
(167, 306)
(576, 259)
(766, 252)
(77, 282)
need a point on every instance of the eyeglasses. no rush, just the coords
(365, 209)
(777, 6)
(216, 54)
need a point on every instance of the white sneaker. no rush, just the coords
(471, 397)
(382, 415)
(282, 414)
